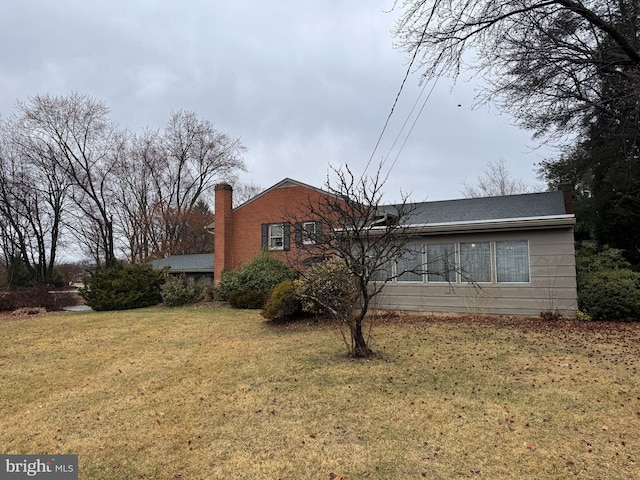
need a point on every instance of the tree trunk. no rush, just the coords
(360, 347)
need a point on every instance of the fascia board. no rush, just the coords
(524, 223)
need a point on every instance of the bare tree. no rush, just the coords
(495, 181)
(167, 181)
(368, 237)
(137, 199)
(34, 194)
(245, 191)
(86, 147)
(545, 61)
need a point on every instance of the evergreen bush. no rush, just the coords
(121, 286)
(260, 275)
(249, 299)
(282, 302)
(611, 295)
(607, 287)
(179, 291)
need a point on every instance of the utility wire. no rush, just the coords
(412, 127)
(404, 81)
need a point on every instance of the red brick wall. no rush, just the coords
(279, 205)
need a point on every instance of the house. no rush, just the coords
(513, 255)
(198, 267)
(509, 255)
(262, 224)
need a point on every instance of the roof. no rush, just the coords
(490, 208)
(527, 210)
(287, 182)
(200, 263)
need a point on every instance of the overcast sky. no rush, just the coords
(304, 84)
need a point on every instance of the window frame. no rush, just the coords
(450, 273)
(497, 260)
(489, 262)
(419, 254)
(309, 238)
(268, 235)
(271, 237)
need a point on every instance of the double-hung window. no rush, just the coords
(275, 236)
(309, 233)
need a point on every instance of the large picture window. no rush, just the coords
(512, 262)
(441, 262)
(475, 261)
(409, 266)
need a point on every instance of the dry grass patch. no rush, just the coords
(201, 393)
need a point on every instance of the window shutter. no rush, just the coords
(318, 238)
(297, 229)
(286, 227)
(265, 236)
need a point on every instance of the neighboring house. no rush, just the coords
(198, 267)
(511, 255)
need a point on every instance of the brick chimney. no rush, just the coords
(223, 230)
(567, 192)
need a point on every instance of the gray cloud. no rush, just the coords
(305, 84)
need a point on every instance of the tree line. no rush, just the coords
(71, 179)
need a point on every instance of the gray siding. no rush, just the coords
(552, 281)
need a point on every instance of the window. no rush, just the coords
(475, 261)
(441, 262)
(309, 233)
(512, 262)
(409, 266)
(275, 236)
(382, 273)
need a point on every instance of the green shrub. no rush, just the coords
(122, 286)
(282, 302)
(327, 288)
(261, 275)
(591, 260)
(228, 283)
(249, 299)
(611, 295)
(179, 291)
(210, 292)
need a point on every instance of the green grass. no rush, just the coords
(208, 393)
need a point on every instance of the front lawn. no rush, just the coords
(212, 393)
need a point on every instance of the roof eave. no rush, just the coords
(530, 223)
(495, 225)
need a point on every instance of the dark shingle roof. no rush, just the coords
(529, 205)
(200, 263)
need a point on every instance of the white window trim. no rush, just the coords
(308, 238)
(270, 236)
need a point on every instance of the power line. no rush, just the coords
(395, 102)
